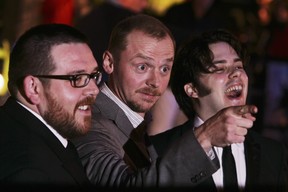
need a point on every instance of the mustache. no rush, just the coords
(149, 91)
(86, 101)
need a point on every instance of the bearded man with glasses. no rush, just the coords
(51, 96)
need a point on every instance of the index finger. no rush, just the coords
(248, 109)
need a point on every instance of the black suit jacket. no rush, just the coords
(266, 160)
(31, 155)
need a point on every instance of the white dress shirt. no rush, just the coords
(239, 156)
(133, 117)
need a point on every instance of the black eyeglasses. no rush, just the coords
(78, 80)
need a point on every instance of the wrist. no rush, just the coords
(203, 140)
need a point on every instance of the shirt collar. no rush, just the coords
(59, 137)
(198, 121)
(133, 117)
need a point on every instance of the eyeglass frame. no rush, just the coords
(72, 78)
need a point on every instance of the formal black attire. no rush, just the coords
(266, 159)
(31, 156)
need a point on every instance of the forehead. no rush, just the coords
(137, 35)
(139, 41)
(73, 57)
(221, 49)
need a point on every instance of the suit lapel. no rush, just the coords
(136, 154)
(113, 112)
(252, 156)
(73, 165)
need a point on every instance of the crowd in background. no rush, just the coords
(260, 24)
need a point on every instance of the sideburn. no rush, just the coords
(202, 89)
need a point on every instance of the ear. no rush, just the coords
(191, 90)
(108, 62)
(32, 87)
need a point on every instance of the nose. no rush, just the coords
(234, 73)
(91, 89)
(153, 80)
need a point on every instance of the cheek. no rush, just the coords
(131, 82)
(245, 78)
(164, 84)
(67, 97)
(214, 82)
(125, 76)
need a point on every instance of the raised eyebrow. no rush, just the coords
(150, 60)
(140, 55)
(170, 60)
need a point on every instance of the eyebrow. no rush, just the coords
(140, 55)
(82, 71)
(225, 61)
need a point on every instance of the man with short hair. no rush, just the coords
(53, 80)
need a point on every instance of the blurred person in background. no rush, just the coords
(165, 114)
(276, 111)
(192, 17)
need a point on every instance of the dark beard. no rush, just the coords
(62, 121)
(137, 107)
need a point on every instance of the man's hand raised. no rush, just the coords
(229, 125)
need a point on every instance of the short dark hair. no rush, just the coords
(32, 52)
(149, 25)
(192, 59)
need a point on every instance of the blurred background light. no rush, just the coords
(4, 57)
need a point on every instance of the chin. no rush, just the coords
(237, 103)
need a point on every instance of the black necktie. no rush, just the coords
(229, 170)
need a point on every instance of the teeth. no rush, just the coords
(83, 107)
(234, 88)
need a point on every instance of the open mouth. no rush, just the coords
(234, 91)
(84, 107)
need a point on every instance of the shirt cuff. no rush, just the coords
(211, 154)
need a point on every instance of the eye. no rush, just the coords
(217, 70)
(79, 79)
(142, 67)
(239, 67)
(165, 69)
